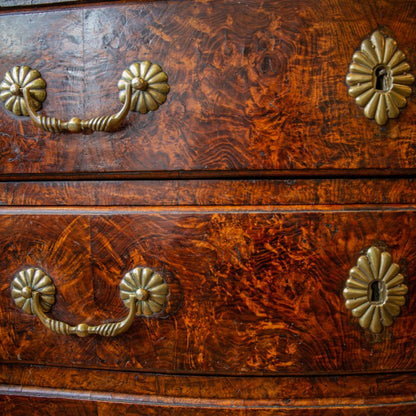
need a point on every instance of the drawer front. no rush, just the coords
(250, 291)
(253, 86)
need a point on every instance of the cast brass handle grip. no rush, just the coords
(75, 125)
(143, 291)
(143, 88)
(83, 330)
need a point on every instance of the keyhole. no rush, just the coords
(382, 78)
(377, 292)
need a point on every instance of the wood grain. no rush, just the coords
(356, 390)
(252, 190)
(254, 86)
(159, 394)
(251, 291)
(209, 192)
(36, 405)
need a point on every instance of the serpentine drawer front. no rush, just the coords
(248, 293)
(236, 236)
(263, 88)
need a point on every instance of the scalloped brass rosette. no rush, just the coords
(375, 290)
(27, 282)
(379, 78)
(11, 89)
(150, 86)
(148, 287)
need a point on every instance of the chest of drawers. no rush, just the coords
(260, 222)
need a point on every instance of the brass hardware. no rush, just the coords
(143, 291)
(75, 125)
(31, 281)
(149, 83)
(379, 78)
(147, 286)
(14, 82)
(143, 87)
(375, 290)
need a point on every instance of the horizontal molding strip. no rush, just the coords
(162, 401)
(213, 174)
(209, 192)
(183, 210)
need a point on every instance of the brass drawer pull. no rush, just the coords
(143, 88)
(142, 290)
(375, 290)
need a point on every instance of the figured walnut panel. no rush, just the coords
(209, 192)
(250, 291)
(37, 406)
(61, 247)
(159, 394)
(254, 86)
(165, 389)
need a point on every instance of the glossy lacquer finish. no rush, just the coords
(253, 86)
(254, 191)
(250, 292)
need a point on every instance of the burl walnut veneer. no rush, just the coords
(246, 247)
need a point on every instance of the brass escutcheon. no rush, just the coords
(379, 78)
(374, 291)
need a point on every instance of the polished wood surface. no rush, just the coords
(331, 390)
(209, 192)
(253, 86)
(251, 291)
(253, 190)
(87, 390)
(37, 405)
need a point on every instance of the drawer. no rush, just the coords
(251, 290)
(253, 87)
